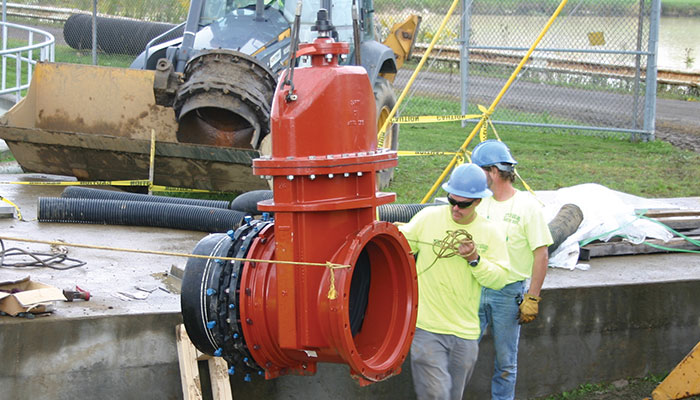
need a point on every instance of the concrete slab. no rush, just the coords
(625, 316)
(107, 272)
(110, 347)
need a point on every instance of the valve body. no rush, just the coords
(330, 283)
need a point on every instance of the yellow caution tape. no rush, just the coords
(141, 182)
(159, 188)
(424, 153)
(425, 119)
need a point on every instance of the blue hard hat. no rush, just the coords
(468, 180)
(493, 152)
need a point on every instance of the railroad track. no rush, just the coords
(451, 54)
(54, 14)
(442, 53)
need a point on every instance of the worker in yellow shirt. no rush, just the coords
(458, 252)
(527, 237)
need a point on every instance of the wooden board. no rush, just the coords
(188, 357)
(618, 248)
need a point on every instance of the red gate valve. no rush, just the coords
(329, 283)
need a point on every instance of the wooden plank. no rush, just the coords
(680, 223)
(189, 371)
(220, 384)
(188, 357)
(672, 213)
(618, 248)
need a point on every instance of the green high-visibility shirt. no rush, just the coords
(525, 228)
(449, 289)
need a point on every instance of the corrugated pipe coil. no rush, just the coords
(79, 192)
(400, 212)
(138, 213)
(248, 203)
(564, 224)
(114, 35)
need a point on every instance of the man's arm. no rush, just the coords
(539, 270)
(529, 307)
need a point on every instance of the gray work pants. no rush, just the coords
(441, 365)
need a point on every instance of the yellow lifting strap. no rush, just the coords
(495, 102)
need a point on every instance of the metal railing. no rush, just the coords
(23, 56)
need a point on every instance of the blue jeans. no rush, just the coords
(441, 365)
(499, 310)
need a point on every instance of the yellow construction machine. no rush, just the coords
(205, 95)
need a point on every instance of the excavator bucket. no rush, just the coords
(95, 123)
(402, 37)
(683, 381)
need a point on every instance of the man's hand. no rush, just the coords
(467, 249)
(529, 308)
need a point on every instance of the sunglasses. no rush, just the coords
(461, 204)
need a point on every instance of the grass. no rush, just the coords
(549, 161)
(633, 388)
(67, 54)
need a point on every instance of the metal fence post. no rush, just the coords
(464, 57)
(94, 32)
(653, 48)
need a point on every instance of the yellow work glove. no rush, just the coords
(529, 308)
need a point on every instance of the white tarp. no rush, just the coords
(606, 213)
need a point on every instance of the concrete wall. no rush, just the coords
(583, 335)
(122, 357)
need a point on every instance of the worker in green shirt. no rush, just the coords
(457, 252)
(527, 237)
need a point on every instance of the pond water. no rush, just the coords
(679, 37)
(676, 34)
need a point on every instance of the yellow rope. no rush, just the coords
(332, 293)
(168, 253)
(448, 246)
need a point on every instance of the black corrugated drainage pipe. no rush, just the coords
(114, 35)
(401, 212)
(248, 201)
(138, 213)
(78, 192)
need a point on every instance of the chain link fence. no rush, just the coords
(588, 73)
